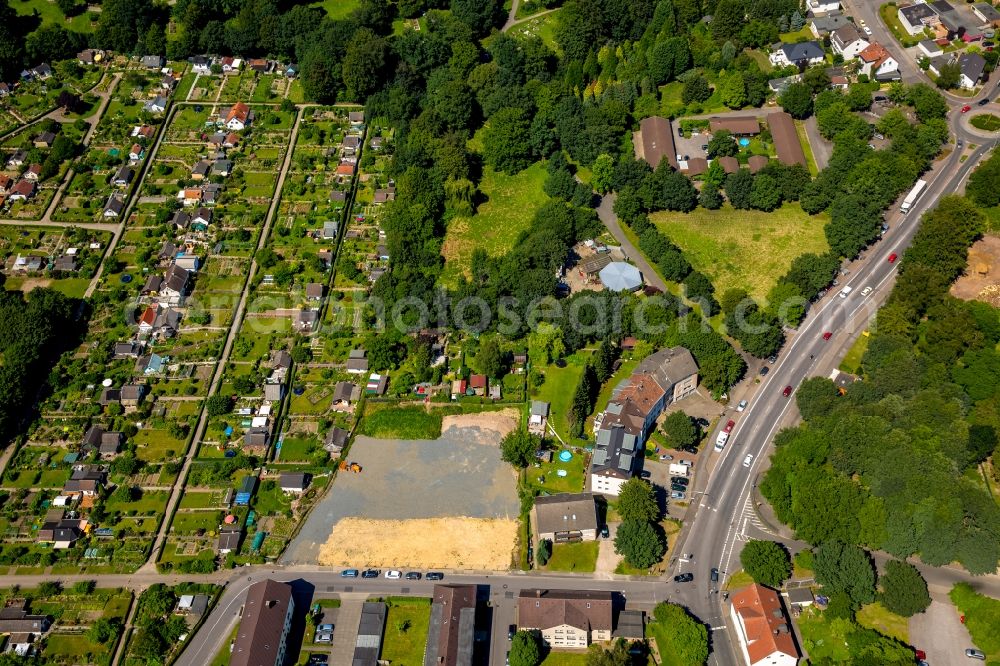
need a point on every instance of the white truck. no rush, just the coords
(720, 441)
(678, 470)
(912, 197)
(845, 291)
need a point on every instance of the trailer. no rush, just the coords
(912, 197)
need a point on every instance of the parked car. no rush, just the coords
(868, 31)
(318, 659)
(827, 335)
(413, 575)
(393, 574)
(605, 532)
(703, 422)
(370, 573)
(715, 575)
(729, 426)
(787, 392)
(966, 108)
(683, 480)
(743, 405)
(666, 456)
(677, 495)
(687, 463)
(973, 653)
(434, 575)
(349, 573)
(684, 578)
(322, 637)
(748, 460)
(892, 258)
(772, 359)
(644, 474)
(511, 630)
(764, 370)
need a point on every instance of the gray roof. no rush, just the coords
(916, 13)
(620, 276)
(972, 65)
(802, 51)
(539, 408)
(293, 480)
(613, 454)
(826, 24)
(987, 10)
(669, 366)
(566, 512)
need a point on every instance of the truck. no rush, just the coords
(720, 441)
(912, 197)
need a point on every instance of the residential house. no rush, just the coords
(825, 25)
(917, 17)
(479, 384)
(330, 228)
(59, 531)
(222, 167)
(729, 164)
(655, 142)
(314, 291)
(5, 183)
(22, 191)
(566, 618)
(201, 64)
(126, 349)
(800, 54)
(44, 140)
(930, 48)
(20, 644)
(169, 81)
(123, 176)
(972, 66)
(175, 285)
(357, 362)
(368, 645)
(877, 63)
(614, 460)
(384, 195)
(848, 42)
(151, 286)
(230, 537)
(210, 193)
(737, 126)
(146, 132)
(31, 263)
(200, 170)
(356, 119)
(85, 481)
(451, 633)
(187, 261)
(986, 13)
(566, 517)
(306, 320)
(231, 65)
(153, 61)
(538, 418)
(109, 396)
(344, 394)
(335, 440)
(786, 138)
(136, 153)
(156, 105)
(132, 396)
(822, 6)
(111, 443)
(260, 65)
(757, 162)
(762, 629)
(15, 619)
(799, 597)
(294, 482)
(33, 172)
(237, 117)
(256, 438)
(90, 56)
(17, 159)
(274, 392)
(190, 196)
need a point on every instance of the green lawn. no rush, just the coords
(800, 130)
(578, 557)
(71, 648)
(982, 617)
(738, 579)
(337, 9)
(565, 659)
(986, 121)
(746, 249)
(852, 360)
(890, 16)
(572, 482)
(558, 389)
(50, 14)
(802, 35)
(402, 423)
(876, 616)
(624, 371)
(825, 640)
(405, 647)
(510, 205)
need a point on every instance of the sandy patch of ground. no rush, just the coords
(501, 422)
(432, 543)
(32, 283)
(981, 280)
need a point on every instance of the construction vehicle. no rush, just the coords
(353, 467)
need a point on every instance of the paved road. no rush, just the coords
(607, 214)
(504, 589)
(721, 523)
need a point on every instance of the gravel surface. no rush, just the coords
(939, 632)
(460, 474)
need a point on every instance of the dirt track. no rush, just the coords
(432, 543)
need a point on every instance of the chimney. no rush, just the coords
(538, 594)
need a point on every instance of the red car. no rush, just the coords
(787, 392)
(729, 426)
(966, 108)
(827, 335)
(892, 258)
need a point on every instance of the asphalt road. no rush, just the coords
(717, 533)
(503, 590)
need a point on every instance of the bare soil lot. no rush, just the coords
(982, 273)
(419, 503)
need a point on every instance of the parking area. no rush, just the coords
(691, 144)
(940, 633)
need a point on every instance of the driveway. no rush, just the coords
(606, 212)
(607, 558)
(939, 632)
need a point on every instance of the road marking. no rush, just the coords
(721, 626)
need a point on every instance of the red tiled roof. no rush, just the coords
(766, 627)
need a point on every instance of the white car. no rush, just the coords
(748, 460)
(687, 463)
(743, 405)
(868, 31)
(394, 574)
(866, 291)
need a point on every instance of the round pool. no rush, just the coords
(744, 142)
(565, 456)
